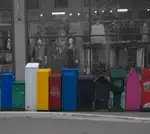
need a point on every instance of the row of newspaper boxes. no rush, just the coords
(44, 90)
(69, 92)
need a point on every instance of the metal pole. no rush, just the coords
(90, 50)
(82, 58)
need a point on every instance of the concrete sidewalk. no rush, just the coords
(92, 116)
(132, 114)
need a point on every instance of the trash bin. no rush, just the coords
(55, 92)
(18, 95)
(101, 91)
(6, 91)
(85, 93)
(145, 93)
(42, 89)
(117, 80)
(69, 89)
(30, 86)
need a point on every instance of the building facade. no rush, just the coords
(22, 21)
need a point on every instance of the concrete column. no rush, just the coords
(140, 57)
(20, 41)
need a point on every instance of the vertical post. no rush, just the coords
(140, 51)
(146, 57)
(19, 35)
(90, 50)
(82, 51)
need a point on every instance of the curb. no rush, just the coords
(67, 115)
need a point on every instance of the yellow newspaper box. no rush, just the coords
(42, 89)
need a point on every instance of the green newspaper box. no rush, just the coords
(18, 95)
(117, 80)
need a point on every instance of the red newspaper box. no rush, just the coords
(145, 91)
(55, 92)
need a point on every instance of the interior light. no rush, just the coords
(103, 11)
(95, 11)
(111, 11)
(41, 15)
(58, 13)
(62, 13)
(78, 13)
(148, 10)
(70, 14)
(122, 10)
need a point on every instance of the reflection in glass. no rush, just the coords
(5, 41)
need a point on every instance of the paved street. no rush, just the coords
(46, 123)
(58, 126)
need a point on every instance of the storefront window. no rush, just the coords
(50, 30)
(6, 45)
(57, 35)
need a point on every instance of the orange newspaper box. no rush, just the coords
(42, 89)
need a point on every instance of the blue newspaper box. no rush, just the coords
(6, 90)
(69, 89)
